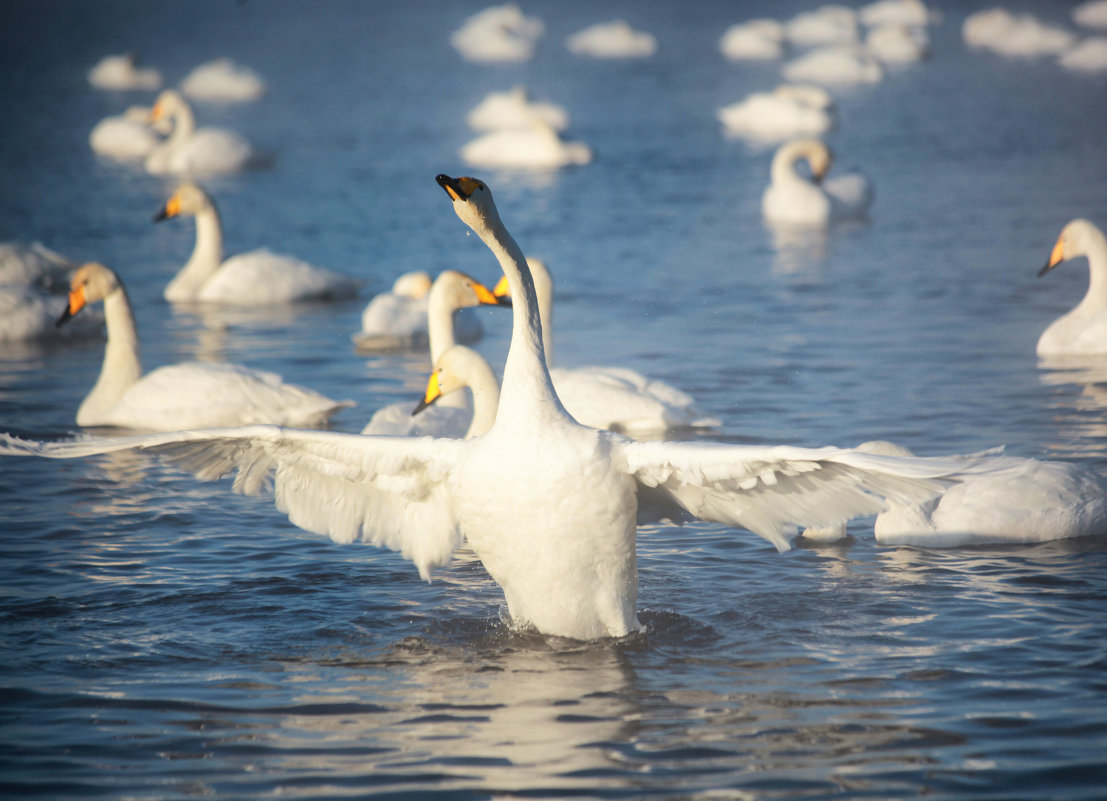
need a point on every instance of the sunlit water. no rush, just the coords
(163, 638)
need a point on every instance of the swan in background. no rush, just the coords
(257, 278)
(616, 39)
(223, 80)
(186, 395)
(34, 266)
(122, 73)
(1089, 56)
(897, 44)
(515, 109)
(1017, 501)
(1092, 14)
(1019, 35)
(787, 111)
(549, 506)
(498, 33)
(29, 314)
(456, 369)
(536, 147)
(756, 40)
(189, 150)
(128, 136)
(793, 199)
(898, 12)
(1083, 330)
(827, 25)
(835, 65)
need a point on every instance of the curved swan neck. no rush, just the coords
(206, 257)
(184, 123)
(486, 398)
(122, 366)
(544, 291)
(440, 322)
(1095, 248)
(783, 169)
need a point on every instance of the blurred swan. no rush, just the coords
(898, 12)
(498, 33)
(186, 395)
(616, 39)
(836, 65)
(1084, 328)
(787, 111)
(1092, 14)
(34, 266)
(826, 25)
(223, 80)
(127, 137)
(515, 109)
(189, 150)
(756, 40)
(1020, 35)
(1089, 56)
(456, 369)
(549, 506)
(121, 73)
(29, 314)
(536, 147)
(257, 278)
(897, 44)
(793, 199)
(1017, 501)
(613, 398)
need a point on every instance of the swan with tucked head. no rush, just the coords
(793, 199)
(1084, 328)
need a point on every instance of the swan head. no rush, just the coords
(1076, 239)
(92, 282)
(454, 370)
(413, 285)
(169, 103)
(188, 199)
(456, 290)
(472, 203)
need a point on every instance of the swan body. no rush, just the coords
(403, 318)
(122, 73)
(898, 12)
(827, 25)
(29, 314)
(536, 147)
(1018, 35)
(835, 65)
(549, 506)
(126, 137)
(187, 395)
(1092, 14)
(1089, 56)
(1083, 330)
(792, 199)
(515, 109)
(756, 40)
(788, 111)
(1016, 501)
(189, 150)
(498, 33)
(257, 278)
(33, 266)
(616, 39)
(897, 44)
(223, 80)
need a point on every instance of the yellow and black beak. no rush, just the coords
(171, 209)
(433, 393)
(489, 297)
(458, 188)
(1055, 258)
(76, 303)
(502, 291)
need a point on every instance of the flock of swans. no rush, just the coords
(543, 473)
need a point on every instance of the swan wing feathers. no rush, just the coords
(772, 490)
(388, 491)
(268, 277)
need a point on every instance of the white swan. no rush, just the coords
(614, 398)
(127, 137)
(1017, 501)
(257, 278)
(498, 33)
(186, 395)
(548, 505)
(1083, 330)
(223, 80)
(456, 369)
(792, 199)
(1089, 56)
(835, 65)
(1018, 35)
(756, 40)
(34, 266)
(515, 109)
(787, 111)
(30, 314)
(826, 25)
(898, 12)
(616, 39)
(1092, 14)
(189, 150)
(535, 147)
(404, 318)
(122, 73)
(895, 43)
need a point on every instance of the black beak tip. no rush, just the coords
(443, 179)
(420, 407)
(504, 301)
(63, 319)
(1045, 270)
(160, 216)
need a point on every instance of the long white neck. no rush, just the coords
(544, 290)
(1095, 248)
(206, 257)
(184, 124)
(783, 169)
(486, 397)
(121, 368)
(440, 321)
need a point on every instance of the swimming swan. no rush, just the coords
(126, 137)
(787, 111)
(461, 368)
(223, 80)
(536, 147)
(548, 505)
(792, 199)
(186, 395)
(257, 278)
(1084, 328)
(404, 317)
(189, 150)
(122, 73)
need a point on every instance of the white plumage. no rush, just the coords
(1082, 330)
(794, 199)
(193, 151)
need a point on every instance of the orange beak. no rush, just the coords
(76, 303)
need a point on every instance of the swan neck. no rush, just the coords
(122, 366)
(545, 293)
(486, 399)
(783, 169)
(184, 124)
(440, 324)
(1096, 251)
(207, 255)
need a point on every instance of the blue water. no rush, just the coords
(163, 638)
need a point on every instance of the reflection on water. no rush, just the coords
(1080, 406)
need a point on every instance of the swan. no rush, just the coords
(792, 199)
(894, 43)
(1019, 35)
(787, 111)
(549, 506)
(34, 266)
(1017, 501)
(616, 39)
(186, 395)
(1083, 330)
(498, 33)
(898, 12)
(515, 109)
(417, 311)
(29, 313)
(536, 147)
(456, 369)
(189, 150)
(223, 80)
(756, 40)
(827, 25)
(1092, 14)
(121, 72)
(835, 65)
(257, 278)
(1089, 56)
(614, 398)
(127, 137)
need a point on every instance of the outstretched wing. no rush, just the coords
(388, 491)
(772, 490)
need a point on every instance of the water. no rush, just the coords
(165, 639)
